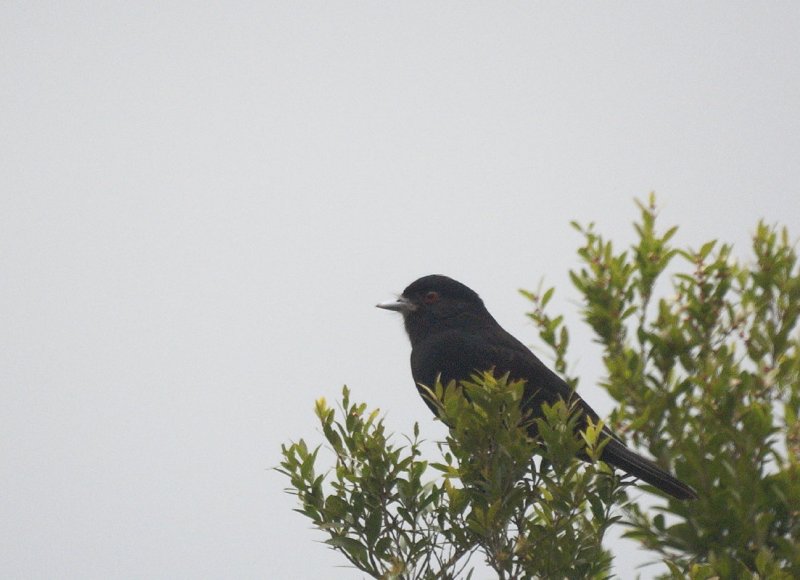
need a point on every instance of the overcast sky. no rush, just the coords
(202, 202)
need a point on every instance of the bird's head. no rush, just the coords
(437, 302)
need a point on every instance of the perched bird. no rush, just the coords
(453, 336)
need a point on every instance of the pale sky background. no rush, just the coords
(202, 202)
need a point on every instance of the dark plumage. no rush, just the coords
(453, 335)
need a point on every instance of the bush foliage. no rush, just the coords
(701, 355)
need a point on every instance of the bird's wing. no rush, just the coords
(455, 355)
(542, 384)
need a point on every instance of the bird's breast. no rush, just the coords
(451, 355)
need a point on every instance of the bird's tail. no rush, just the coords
(616, 454)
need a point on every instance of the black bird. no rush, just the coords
(453, 336)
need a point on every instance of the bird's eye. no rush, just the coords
(431, 297)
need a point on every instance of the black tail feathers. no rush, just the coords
(616, 454)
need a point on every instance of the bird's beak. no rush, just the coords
(403, 305)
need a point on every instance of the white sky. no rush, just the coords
(202, 203)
